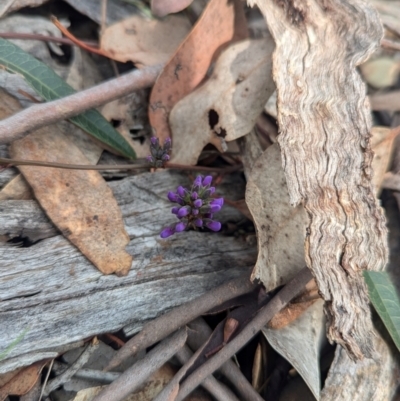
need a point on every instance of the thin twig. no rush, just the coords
(165, 324)
(70, 372)
(76, 41)
(390, 44)
(210, 383)
(15, 162)
(115, 339)
(293, 288)
(46, 379)
(88, 374)
(48, 113)
(42, 38)
(197, 336)
(135, 376)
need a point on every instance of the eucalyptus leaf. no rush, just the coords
(386, 301)
(51, 87)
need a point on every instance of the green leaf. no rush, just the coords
(384, 297)
(51, 87)
(13, 344)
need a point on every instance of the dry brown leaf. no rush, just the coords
(161, 8)
(220, 23)
(280, 227)
(324, 123)
(17, 189)
(144, 41)
(228, 105)
(78, 202)
(23, 381)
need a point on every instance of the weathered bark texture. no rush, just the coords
(52, 290)
(324, 122)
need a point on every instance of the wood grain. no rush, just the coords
(324, 120)
(56, 292)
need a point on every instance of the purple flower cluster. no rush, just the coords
(196, 207)
(159, 154)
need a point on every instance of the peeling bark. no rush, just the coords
(324, 121)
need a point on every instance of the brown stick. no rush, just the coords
(42, 38)
(218, 390)
(197, 336)
(134, 377)
(15, 162)
(293, 288)
(43, 114)
(169, 322)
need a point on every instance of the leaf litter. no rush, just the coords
(201, 109)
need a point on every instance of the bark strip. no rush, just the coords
(324, 120)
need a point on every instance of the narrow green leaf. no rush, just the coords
(13, 344)
(50, 86)
(384, 297)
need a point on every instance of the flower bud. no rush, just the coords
(214, 225)
(207, 180)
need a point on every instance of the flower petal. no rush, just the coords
(181, 191)
(214, 225)
(184, 211)
(167, 232)
(198, 203)
(198, 223)
(217, 201)
(207, 180)
(180, 227)
(215, 208)
(172, 196)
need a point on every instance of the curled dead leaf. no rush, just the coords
(280, 227)
(23, 381)
(144, 41)
(228, 105)
(218, 25)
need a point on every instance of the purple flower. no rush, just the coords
(184, 211)
(215, 208)
(217, 201)
(207, 180)
(180, 227)
(214, 225)
(172, 196)
(167, 232)
(159, 154)
(195, 207)
(197, 181)
(198, 203)
(181, 191)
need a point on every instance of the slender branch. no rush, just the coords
(197, 336)
(165, 324)
(293, 288)
(67, 375)
(134, 377)
(390, 44)
(218, 390)
(39, 115)
(15, 162)
(42, 38)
